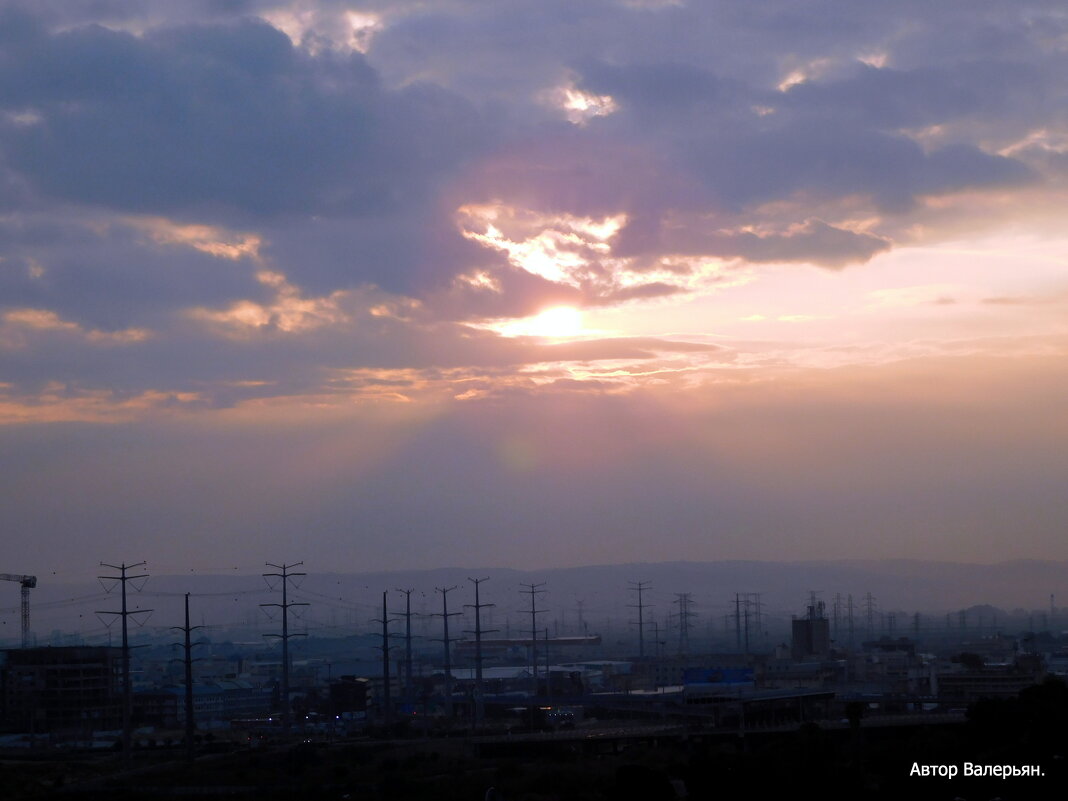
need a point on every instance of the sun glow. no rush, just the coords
(578, 106)
(558, 322)
(559, 248)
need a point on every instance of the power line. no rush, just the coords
(161, 594)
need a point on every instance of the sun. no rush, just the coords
(553, 323)
(559, 321)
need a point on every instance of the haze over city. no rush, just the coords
(395, 286)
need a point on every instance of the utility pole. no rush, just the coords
(190, 721)
(640, 587)
(738, 620)
(869, 611)
(478, 632)
(836, 615)
(758, 606)
(285, 575)
(534, 590)
(445, 615)
(745, 610)
(409, 696)
(387, 689)
(813, 604)
(849, 614)
(548, 670)
(127, 680)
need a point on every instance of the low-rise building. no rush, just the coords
(73, 690)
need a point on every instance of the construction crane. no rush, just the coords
(27, 583)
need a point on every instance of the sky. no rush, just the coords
(531, 283)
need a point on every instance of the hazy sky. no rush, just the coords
(531, 283)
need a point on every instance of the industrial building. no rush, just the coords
(811, 635)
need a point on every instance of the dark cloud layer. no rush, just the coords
(221, 118)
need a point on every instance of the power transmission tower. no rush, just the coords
(683, 599)
(745, 614)
(849, 613)
(738, 620)
(127, 681)
(759, 606)
(869, 611)
(285, 575)
(548, 669)
(408, 687)
(478, 632)
(836, 615)
(640, 587)
(814, 604)
(445, 614)
(187, 659)
(385, 647)
(534, 590)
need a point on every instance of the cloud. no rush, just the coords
(19, 326)
(812, 241)
(250, 181)
(653, 90)
(986, 91)
(113, 271)
(810, 159)
(225, 116)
